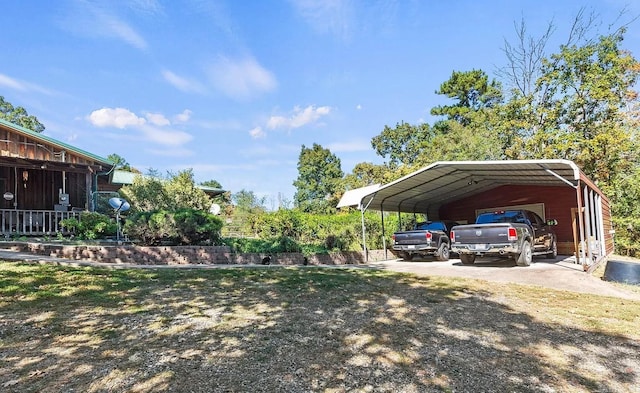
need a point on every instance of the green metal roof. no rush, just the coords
(120, 176)
(43, 138)
(123, 177)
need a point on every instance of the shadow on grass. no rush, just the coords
(287, 329)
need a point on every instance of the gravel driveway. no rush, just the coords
(562, 274)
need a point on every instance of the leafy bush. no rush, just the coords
(179, 191)
(179, 227)
(263, 246)
(279, 230)
(627, 236)
(91, 225)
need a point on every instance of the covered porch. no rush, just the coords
(34, 222)
(43, 181)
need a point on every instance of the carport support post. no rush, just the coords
(582, 256)
(364, 231)
(384, 238)
(364, 237)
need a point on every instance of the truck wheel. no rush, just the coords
(443, 252)
(553, 252)
(467, 259)
(407, 257)
(524, 259)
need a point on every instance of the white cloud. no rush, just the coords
(11, 83)
(182, 84)
(115, 117)
(157, 119)
(16, 84)
(241, 79)
(183, 117)
(119, 29)
(257, 133)
(358, 107)
(97, 20)
(171, 152)
(165, 137)
(327, 16)
(146, 6)
(299, 118)
(150, 129)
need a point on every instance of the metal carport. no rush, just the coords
(427, 190)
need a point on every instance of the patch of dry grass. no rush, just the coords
(305, 329)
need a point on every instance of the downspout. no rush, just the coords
(64, 173)
(94, 186)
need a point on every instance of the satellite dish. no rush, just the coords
(119, 204)
(214, 209)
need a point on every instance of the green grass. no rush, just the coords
(304, 329)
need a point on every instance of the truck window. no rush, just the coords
(535, 219)
(506, 216)
(432, 226)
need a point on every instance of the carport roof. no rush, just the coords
(445, 181)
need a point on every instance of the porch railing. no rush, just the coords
(15, 222)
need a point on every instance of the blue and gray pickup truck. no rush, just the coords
(426, 239)
(519, 234)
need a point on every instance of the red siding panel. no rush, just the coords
(558, 202)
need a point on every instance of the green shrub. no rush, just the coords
(318, 232)
(627, 236)
(272, 245)
(180, 227)
(91, 225)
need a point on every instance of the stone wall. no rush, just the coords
(184, 255)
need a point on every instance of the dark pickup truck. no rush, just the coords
(519, 234)
(428, 238)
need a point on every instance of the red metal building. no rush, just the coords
(459, 190)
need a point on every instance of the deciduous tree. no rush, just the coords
(319, 180)
(19, 116)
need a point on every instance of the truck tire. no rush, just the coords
(443, 252)
(553, 251)
(407, 257)
(467, 259)
(524, 259)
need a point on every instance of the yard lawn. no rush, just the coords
(305, 329)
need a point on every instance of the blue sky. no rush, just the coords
(233, 89)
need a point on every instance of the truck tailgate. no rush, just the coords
(482, 233)
(411, 237)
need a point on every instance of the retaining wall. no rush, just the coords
(183, 255)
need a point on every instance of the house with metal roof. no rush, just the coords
(43, 181)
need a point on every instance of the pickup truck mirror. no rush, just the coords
(552, 222)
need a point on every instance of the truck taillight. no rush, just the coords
(452, 235)
(428, 235)
(512, 235)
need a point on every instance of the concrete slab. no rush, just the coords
(561, 273)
